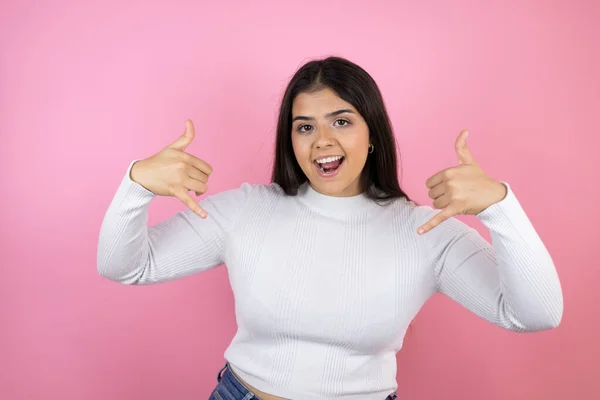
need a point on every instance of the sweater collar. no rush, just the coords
(334, 205)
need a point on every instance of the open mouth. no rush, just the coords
(329, 166)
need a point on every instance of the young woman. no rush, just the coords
(331, 261)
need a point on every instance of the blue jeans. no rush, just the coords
(229, 387)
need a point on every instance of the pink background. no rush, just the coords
(85, 87)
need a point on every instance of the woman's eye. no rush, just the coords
(306, 128)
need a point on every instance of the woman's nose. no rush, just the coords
(324, 138)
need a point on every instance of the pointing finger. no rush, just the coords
(436, 220)
(185, 197)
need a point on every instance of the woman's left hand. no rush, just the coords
(464, 189)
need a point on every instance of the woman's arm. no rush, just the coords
(512, 283)
(130, 252)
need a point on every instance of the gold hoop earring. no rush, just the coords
(371, 148)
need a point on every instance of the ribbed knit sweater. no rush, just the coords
(325, 287)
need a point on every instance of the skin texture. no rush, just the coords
(462, 189)
(345, 134)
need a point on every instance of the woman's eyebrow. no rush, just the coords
(331, 114)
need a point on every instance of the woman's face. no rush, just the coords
(331, 142)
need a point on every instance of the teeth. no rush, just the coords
(329, 159)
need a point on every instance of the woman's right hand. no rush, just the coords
(173, 172)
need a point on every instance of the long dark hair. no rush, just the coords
(379, 177)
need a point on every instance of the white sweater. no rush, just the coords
(325, 287)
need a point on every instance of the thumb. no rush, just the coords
(463, 152)
(186, 138)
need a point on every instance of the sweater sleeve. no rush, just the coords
(131, 252)
(512, 283)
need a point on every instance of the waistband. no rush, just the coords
(227, 377)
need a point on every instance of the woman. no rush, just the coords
(331, 261)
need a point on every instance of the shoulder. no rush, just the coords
(411, 215)
(246, 192)
(261, 190)
(227, 204)
(409, 211)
